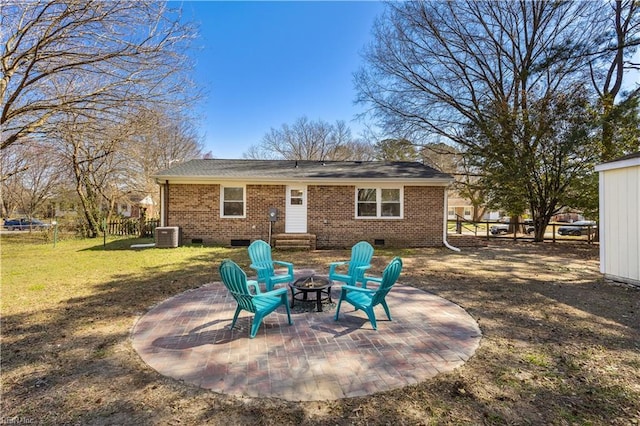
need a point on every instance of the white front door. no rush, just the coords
(296, 213)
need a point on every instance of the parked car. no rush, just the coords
(580, 227)
(22, 224)
(528, 226)
(503, 228)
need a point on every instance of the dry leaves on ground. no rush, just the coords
(560, 346)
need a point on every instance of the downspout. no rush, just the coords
(444, 228)
(166, 204)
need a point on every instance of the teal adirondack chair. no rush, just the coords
(261, 261)
(366, 299)
(360, 261)
(260, 304)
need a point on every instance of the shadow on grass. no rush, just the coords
(72, 363)
(126, 243)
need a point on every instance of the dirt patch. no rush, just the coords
(560, 346)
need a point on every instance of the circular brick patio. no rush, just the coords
(187, 338)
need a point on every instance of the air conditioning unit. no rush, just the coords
(167, 236)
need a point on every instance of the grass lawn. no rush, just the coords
(560, 346)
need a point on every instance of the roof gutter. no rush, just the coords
(310, 180)
(444, 228)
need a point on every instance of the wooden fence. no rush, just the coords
(586, 233)
(133, 227)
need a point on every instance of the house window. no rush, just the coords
(378, 203)
(367, 203)
(232, 201)
(297, 197)
(390, 199)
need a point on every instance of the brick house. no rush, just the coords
(330, 204)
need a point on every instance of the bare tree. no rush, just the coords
(32, 174)
(609, 65)
(396, 150)
(89, 149)
(159, 140)
(112, 164)
(84, 57)
(12, 164)
(76, 73)
(467, 185)
(502, 80)
(354, 150)
(308, 140)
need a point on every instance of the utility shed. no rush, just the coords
(620, 219)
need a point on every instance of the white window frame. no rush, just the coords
(297, 197)
(244, 201)
(379, 202)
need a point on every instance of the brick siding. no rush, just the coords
(330, 212)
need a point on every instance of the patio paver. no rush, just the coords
(187, 337)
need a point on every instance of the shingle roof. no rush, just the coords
(631, 160)
(311, 170)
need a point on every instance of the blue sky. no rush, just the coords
(264, 64)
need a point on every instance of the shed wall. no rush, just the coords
(620, 223)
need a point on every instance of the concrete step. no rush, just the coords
(293, 247)
(293, 236)
(294, 241)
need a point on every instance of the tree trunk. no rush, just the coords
(608, 148)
